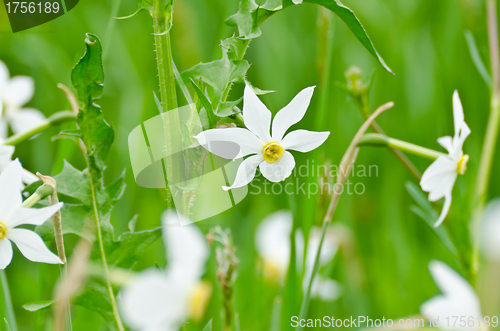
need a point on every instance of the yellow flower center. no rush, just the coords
(272, 271)
(200, 296)
(272, 152)
(3, 231)
(462, 164)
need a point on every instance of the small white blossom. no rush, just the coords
(441, 175)
(458, 298)
(490, 231)
(267, 151)
(13, 215)
(163, 300)
(15, 92)
(272, 241)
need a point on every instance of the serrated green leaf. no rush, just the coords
(39, 305)
(87, 78)
(250, 16)
(95, 297)
(429, 215)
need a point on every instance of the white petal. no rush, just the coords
(325, 289)
(444, 186)
(256, 116)
(3, 128)
(26, 119)
(10, 186)
(458, 112)
(4, 78)
(6, 153)
(279, 171)
(5, 252)
(291, 113)
(444, 212)
(272, 239)
(459, 298)
(246, 171)
(29, 177)
(230, 143)
(303, 140)
(151, 302)
(32, 246)
(439, 175)
(34, 216)
(458, 142)
(447, 143)
(187, 248)
(490, 230)
(19, 91)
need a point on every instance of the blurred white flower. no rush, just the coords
(458, 298)
(272, 241)
(268, 152)
(13, 215)
(15, 92)
(6, 153)
(440, 177)
(490, 230)
(163, 300)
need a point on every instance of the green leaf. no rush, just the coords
(429, 215)
(39, 305)
(250, 16)
(476, 58)
(87, 78)
(95, 297)
(208, 327)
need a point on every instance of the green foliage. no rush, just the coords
(208, 327)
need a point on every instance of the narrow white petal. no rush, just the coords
(26, 119)
(458, 141)
(6, 153)
(303, 140)
(5, 252)
(230, 143)
(256, 116)
(447, 143)
(34, 216)
(434, 175)
(444, 186)
(325, 289)
(4, 78)
(29, 177)
(446, 209)
(458, 112)
(10, 186)
(19, 91)
(246, 171)
(187, 249)
(151, 302)
(272, 239)
(291, 113)
(32, 246)
(279, 171)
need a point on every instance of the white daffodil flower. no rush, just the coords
(13, 215)
(272, 242)
(269, 152)
(15, 92)
(163, 300)
(458, 299)
(490, 231)
(441, 175)
(6, 153)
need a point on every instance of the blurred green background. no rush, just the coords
(421, 40)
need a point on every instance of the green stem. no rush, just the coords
(8, 301)
(374, 139)
(491, 135)
(60, 117)
(41, 193)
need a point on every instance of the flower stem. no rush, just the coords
(374, 139)
(9, 308)
(41, 193)
(55, 119)
(345, 168)
(491, 135)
